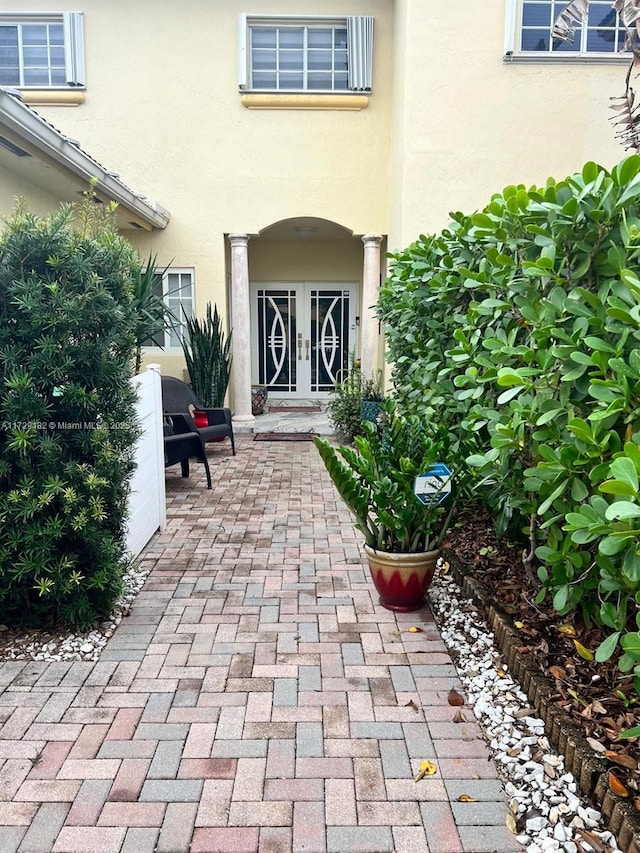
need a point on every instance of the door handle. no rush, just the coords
(299, 346)
(306, 343)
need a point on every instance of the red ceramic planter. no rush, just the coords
(401, 579)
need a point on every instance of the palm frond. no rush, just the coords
(572, 16)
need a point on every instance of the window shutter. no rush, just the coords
(242, 52)
(360, 48)
(510, 11)
(74, 47)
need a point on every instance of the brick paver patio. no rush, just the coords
(256, 699)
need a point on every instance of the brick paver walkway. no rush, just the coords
(256, 699)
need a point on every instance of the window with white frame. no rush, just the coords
(601, 35)
(306, 54)
(175, 287)
(40, 50)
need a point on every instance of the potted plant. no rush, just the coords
(372, 398)
(376, 480)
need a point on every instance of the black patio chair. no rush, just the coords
(211, 424)
(182, 444)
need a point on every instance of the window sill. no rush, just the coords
(53, 97)
(304, 102)
(543, 58)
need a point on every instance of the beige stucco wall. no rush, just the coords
(465, 124)
(13, 187)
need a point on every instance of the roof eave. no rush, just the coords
(33, 129)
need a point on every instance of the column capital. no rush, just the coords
(238, 239)
(372, 239)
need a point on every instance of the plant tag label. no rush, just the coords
(434, 486)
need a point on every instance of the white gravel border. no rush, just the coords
(544, 799)
(49, 646)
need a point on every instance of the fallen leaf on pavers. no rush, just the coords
(567, 630)
(426, 769)
(415, 630)
(466, 798)
(454, 698)
(519, 624)
(616, 786)
(459, 717)
(584, 653)
(511, 824)
(596, 745)
(622, 759)
(412, 704)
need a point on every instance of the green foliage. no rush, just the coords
(153, 315)
(208, 357)
(66, 414)
(518, 327)
(344, 407)
(376, 481)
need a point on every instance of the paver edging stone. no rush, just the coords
(588, 768)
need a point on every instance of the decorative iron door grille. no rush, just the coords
(303, 335)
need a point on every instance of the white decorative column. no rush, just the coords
(241, 366)
(369, 325)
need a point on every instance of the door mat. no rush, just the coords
(284, 436)
(282, 410)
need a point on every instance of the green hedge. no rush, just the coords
(518, 327)
(66, 415)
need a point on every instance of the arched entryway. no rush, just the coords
(301, 292)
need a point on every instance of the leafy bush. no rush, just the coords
(67, 342)
(345, 405)
(519, 327)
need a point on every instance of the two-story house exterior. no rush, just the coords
(279, 148)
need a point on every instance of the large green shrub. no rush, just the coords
(66, 415)
(519, 326)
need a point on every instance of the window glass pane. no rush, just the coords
(320, 81)
(264, 60)
(8, 56)
(340, 37)
(291, 37)
(601, 41)
(36, 77)
(603, 16)
(56, 55)
(291, 81)
(58, 77)
(535, 39)
(34, 34)
(320, 38)
(263, 36)
(9, 35)
(35, 56)
(56, 34)
(340, 81)
(340, 60)
(320, 59)
(9, 76)
(291, 60)
(569, 46)
(536, 15)
(263, 80)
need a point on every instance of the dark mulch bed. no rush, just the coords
(595, 696)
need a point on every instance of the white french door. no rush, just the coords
(302, 335)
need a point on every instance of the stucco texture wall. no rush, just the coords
(466, 124)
